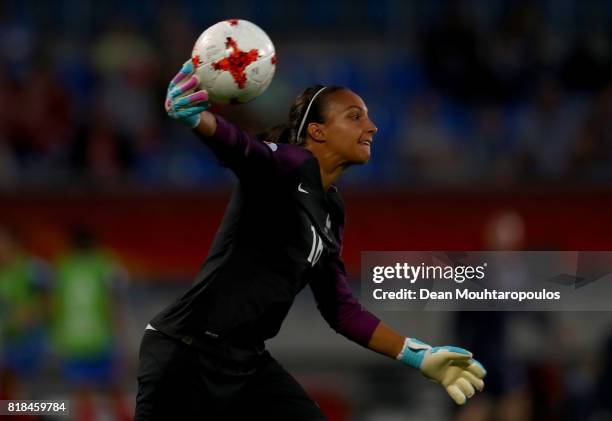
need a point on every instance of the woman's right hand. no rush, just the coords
(183, 102)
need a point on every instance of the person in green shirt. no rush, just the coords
(24, 284)
(87, 307)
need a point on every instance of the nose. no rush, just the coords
(372, 127)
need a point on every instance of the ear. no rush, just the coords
(316, 132)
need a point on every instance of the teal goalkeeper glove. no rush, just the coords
(452, 367)
(182, 103)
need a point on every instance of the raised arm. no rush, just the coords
(234, 147)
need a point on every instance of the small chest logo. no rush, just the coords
(302, 190)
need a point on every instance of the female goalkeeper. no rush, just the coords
(203, 357)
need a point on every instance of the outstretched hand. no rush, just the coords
(183, 102)
(452, 367)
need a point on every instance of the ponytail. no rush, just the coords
(277, 134)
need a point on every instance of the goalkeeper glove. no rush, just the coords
(452, 367)
(182, 103)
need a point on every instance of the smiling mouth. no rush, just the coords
(366, 142)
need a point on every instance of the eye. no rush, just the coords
(354, 116)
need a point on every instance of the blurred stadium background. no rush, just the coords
(495, 132)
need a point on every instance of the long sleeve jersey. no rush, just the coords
(281, 231)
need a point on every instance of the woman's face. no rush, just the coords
(347, 131)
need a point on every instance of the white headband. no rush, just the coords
(307, 110)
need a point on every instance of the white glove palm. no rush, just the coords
(452, 367)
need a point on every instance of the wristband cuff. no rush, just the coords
(413, 352)
(192, 124)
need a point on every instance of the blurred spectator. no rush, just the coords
(8, 164)
(87, 312)
(24, 310)
(452, 56)
(592, 154)
(17, 42)
(101, 155)
(45, 133)
(127, 68)
(547, 129)
(588, 64)
(429, 149)
(487, 334)
(493, 147)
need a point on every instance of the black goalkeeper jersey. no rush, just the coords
(280, 232)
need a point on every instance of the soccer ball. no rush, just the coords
(234, 60)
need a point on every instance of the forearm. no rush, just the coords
(235, 148)
(386, 341)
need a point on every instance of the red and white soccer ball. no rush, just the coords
(234, 60)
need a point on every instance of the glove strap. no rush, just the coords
(413, 352)
(193, 121)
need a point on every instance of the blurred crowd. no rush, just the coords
(474, 92)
